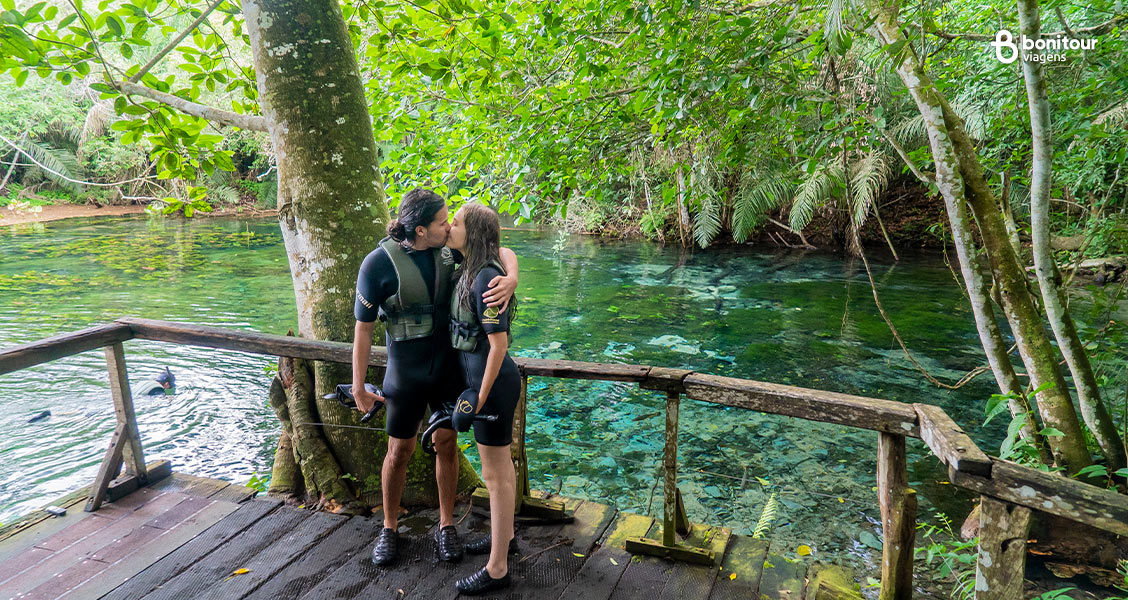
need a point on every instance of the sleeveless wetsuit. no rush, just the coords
(422, 372)
(506, 390)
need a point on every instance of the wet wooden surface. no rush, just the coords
(201, 538)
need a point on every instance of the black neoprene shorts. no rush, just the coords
(503, 398)
(410, 394)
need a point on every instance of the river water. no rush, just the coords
(801, 319)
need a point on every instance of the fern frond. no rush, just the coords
(974, 118)
(871, 175)
(815, 191)
(60, 164)
(767, 518)
(832, 26)
(756, 199)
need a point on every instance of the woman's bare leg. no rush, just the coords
(501, 481)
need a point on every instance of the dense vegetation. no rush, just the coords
(680, 121)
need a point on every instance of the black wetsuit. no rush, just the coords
(421, 372)
(506, 389)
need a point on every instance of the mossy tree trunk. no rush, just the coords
(332, 212)
(1049, 278)
(959, 176)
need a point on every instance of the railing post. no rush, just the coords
(517, 449)
(126, 443)
(1002, 550)
(670, 470)
(898, 518)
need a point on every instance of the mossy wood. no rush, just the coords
(59, 346)
(898, 518)
(949, 442)
(1001, 561)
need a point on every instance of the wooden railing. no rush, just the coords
(1009, 491)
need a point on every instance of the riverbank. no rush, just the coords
(56, 212)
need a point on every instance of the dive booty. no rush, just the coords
(449, 546)
(481, 582)
(387, 547)
(484, 545)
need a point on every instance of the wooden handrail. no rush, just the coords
(62, 345)
(969, 468)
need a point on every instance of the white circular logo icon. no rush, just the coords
(1004, 39)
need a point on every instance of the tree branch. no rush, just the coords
(212, 114)
(1095, 30)
(175, 42)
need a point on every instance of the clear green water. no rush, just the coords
(805, 320)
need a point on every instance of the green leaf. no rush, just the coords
(1092, 471)
(1121, 472)
(1052, 432)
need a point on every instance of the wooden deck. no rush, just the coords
(188, 537)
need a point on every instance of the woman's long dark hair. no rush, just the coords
(418, 208)
(483, 244)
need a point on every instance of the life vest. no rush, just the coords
(465, 329)
(409, 313)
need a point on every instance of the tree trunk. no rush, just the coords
(332, 212)
(959, 177)
(1049, 279)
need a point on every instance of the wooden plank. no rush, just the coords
(128, 483)
(745, 559)
(812, 405)
(132, 453)
(603, 568)
(158, 548)
(212, 569)
(947, 441)
(666, 380)
(831, 582)
(66, 344)
(234, 493)
(417, 563)
(350, 579)
(191, 485)
(111, 465)
(574, 369)
(69, 547)
(695, 582)
(352, 540)
(670, 470)
(644, 575)
(898, 518)
(200, 546)
(1001, 562)
(87, 573)
(1048, 492)
(517, 448)
(251, 342)
(555, 568)
(782, 578)
(274, 557)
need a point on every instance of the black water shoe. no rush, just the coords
(484, 545)
(450, 547)
(387, 547)
(481, 582)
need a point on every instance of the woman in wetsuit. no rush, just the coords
(481, 336)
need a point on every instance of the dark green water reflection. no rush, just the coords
(805, 320)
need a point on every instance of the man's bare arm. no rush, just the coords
(362, 347)
(503, 287)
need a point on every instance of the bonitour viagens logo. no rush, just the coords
(1048, 50)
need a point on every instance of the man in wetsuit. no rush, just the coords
(406, 282)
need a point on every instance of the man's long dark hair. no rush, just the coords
(483, 244)
(418, 208)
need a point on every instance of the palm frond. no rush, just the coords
(60, 165)
(223, 193)
(98, 118)
(707, 219)
(974, 118)
(910, 130)
(815, 191)
(832, 26)
(871, 175)
(757, 197)
(1114, 115)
